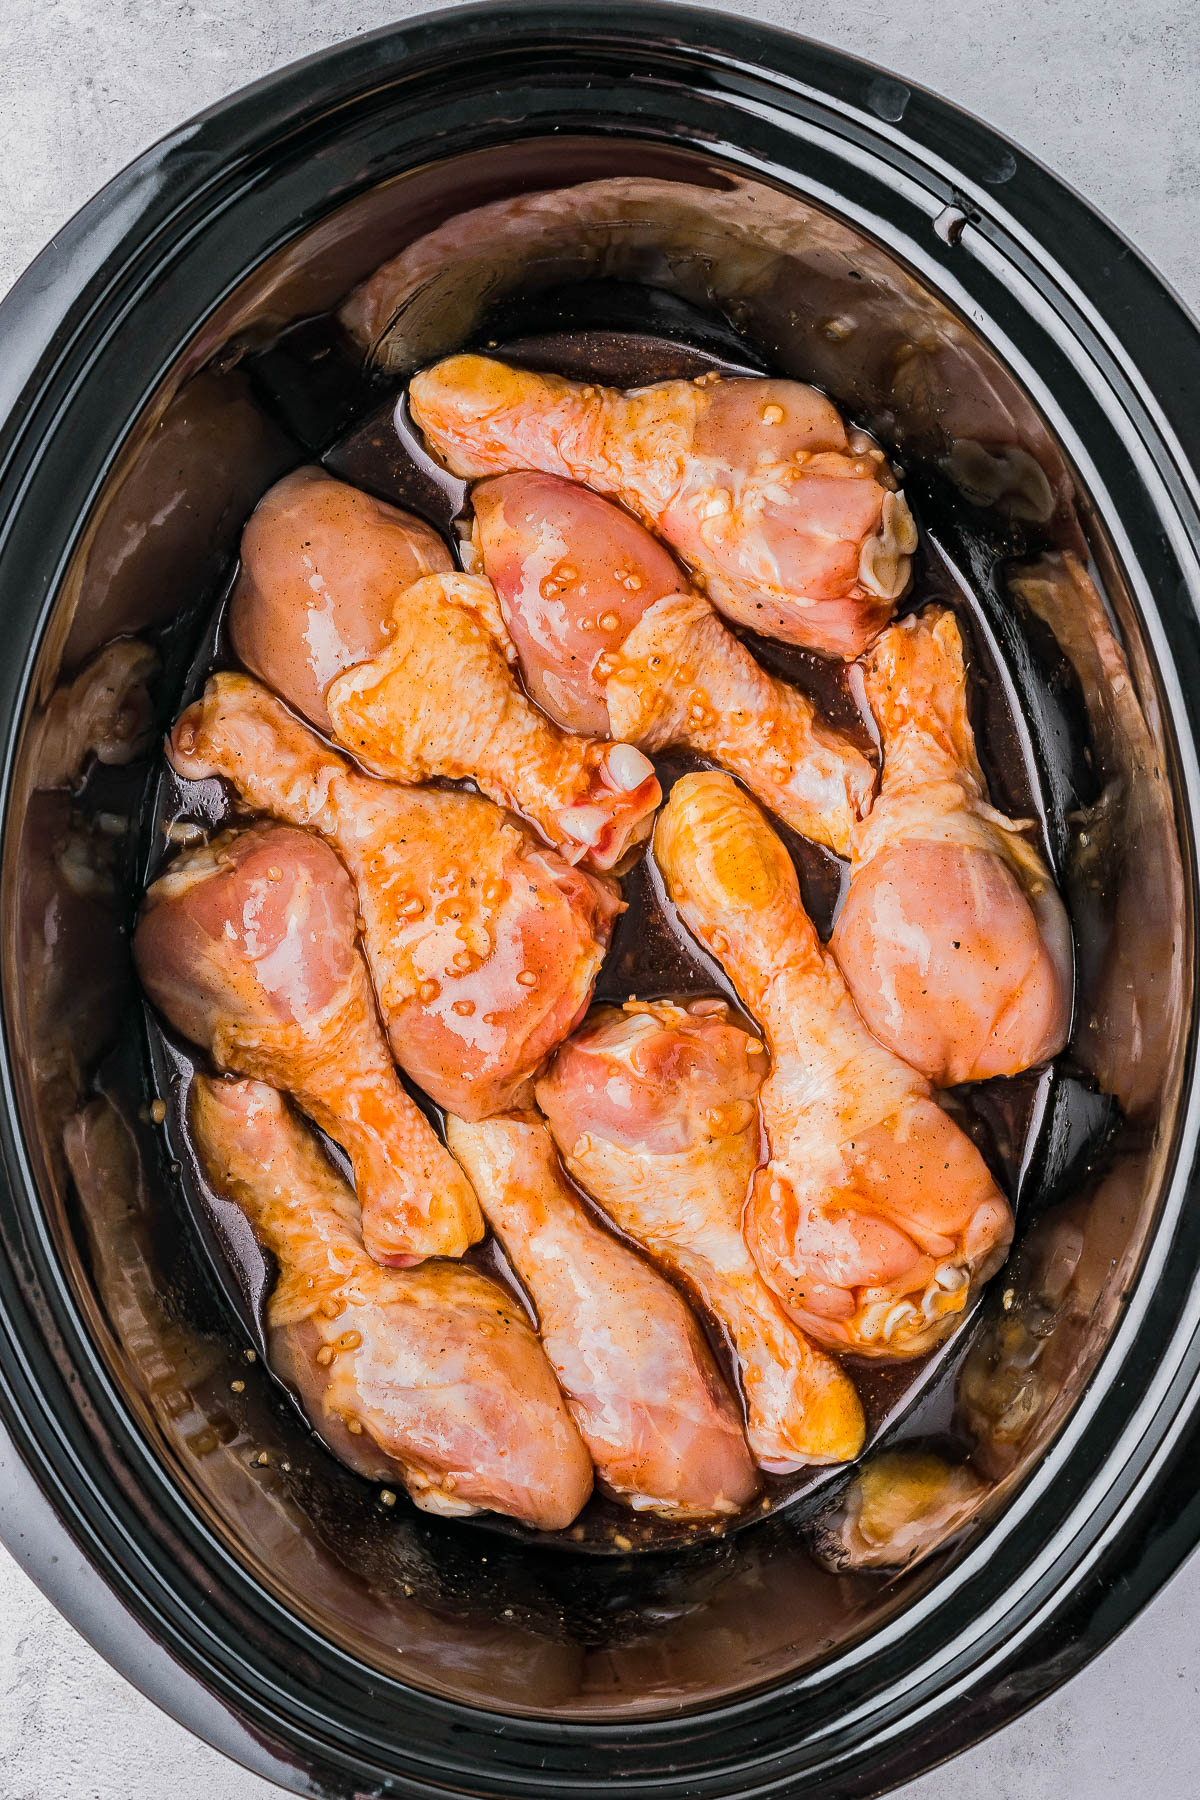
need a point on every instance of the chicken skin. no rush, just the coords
(483, 944)
(639, 1378)
(248, 946)
(653, 1108)
(442, 699)
(415, 676)
(791, 523)
(431, 1375)
(613, 640)
(953, 939)
(875, 1216)
(322, 564)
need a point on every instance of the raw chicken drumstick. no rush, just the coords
(432, 1375)
(322, 564)
(483, 944)
(613, 640)
(653, 1108)
(875, 1214)
(789, 521)
(953, 939)
(247, 945)
(414, 676)
(638, 1376)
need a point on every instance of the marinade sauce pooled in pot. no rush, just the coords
(1023, 1125)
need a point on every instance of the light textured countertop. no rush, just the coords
(1107, 92)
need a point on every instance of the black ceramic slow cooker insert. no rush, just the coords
(171, 354)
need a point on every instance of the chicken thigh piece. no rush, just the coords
(875, 1216)
(613, 640)
(247, 945)
(953, 939)
(639, 1378)
(653, 1108)
(429, 1375)
(791, 523)
(412, 672)
(483, 944)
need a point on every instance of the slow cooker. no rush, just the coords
(165, 359)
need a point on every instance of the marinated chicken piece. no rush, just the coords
(483, 944)
(322, 564)
(415, 676)
(901, 1506)
(791, 522)
(953, 939)
(443, 700)
(612, 639)
(431, 1375)
(181, 1372)
(875, 1216)
(653, 1108)
(247, 945)
(631, 1359)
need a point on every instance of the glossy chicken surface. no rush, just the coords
(875, 1216)
(322, 564)
(483, 944)
(442, 700)
(654, 1109)
(613, 640)
(248, 946)
(790, 522)
(953, 939)
(432, 1375)
(639, 1378)
(416, 673)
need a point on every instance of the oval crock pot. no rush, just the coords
(184, 1523)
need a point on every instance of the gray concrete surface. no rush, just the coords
(1105, 91)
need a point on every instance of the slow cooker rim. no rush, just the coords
(711, 26)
